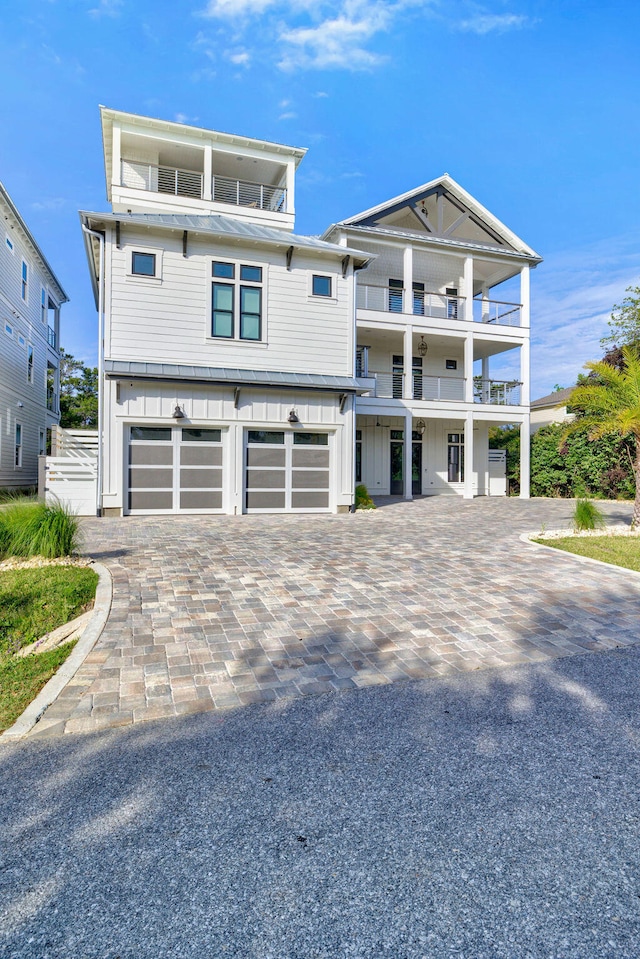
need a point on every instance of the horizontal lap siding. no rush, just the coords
(168, 320)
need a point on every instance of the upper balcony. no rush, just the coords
(437, 305)
(156, 166)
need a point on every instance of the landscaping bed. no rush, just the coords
(617, 549)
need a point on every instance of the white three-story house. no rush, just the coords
(227, 347)
(431, 320)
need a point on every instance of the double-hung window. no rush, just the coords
(236, 301)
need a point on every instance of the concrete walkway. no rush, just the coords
(213, 612)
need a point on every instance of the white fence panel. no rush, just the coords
(72, 482)
(497, 472)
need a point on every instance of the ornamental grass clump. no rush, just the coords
(363, 500)
(587, 516)
(37, 529)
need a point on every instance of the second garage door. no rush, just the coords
(287, 471)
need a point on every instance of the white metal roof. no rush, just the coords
(208, 374)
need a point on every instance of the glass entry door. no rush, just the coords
(396, 480)
(416, 464)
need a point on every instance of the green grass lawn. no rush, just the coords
(617, 550)
(33, 602)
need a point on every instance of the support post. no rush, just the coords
(525, 296)
(408, 456)
(290, 181)
(116, 156)
(468, 457)
(485, 305)
(467, 292)
(407, 279)
(207, 177)
(525, 457)
(525, 373)
(468, 368)
(407, 380)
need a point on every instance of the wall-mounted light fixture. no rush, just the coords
(177, 413)
(422, 347)
(421, 427)
(292, 417)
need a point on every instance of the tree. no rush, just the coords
(78, 394)
(625, 322)
(611, 406)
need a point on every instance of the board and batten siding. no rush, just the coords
(168, 319)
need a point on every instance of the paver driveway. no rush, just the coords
(212, 611)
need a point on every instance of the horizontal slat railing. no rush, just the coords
(161, 179)
(260, 196)
(420, 303)
(497, 392)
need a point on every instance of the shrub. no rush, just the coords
(363, 500)
(586, 515)
(37, 529)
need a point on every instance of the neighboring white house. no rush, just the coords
(30, 301)
(236, 358)
(551, 409)
(430, 318)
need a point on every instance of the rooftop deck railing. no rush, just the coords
(497, 311)
(51, 337)
(190, 183)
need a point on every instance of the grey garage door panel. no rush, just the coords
(142, 454)
(201, 499)
(144, 499)
(263, 456)
(309, 499)
(199, 478)
(310, 457)
(150, 479)
(310, 479)
(201, 455)
(265, 479)
(261, 499)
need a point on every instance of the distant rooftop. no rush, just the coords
(559, 398)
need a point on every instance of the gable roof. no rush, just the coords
(559, 398)
(446, 186)
(30, 239)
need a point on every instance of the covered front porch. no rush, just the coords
(411, 455)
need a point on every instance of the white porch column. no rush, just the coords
(468, 368)
(207, 186)
(525, 296)
(467, 291)
(407, 279)
(525, 373)
(116, 155)
(468, 457)
(408, 456)
(290, 180)
(407, 379)
(485, 304)
(525, 458)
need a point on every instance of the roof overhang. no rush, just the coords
(29, 235)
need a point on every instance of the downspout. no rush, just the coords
(99, 481)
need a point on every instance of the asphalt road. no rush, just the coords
(496, 815)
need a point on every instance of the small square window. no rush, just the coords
(321, 286)
(143, 264)
(451, 364)
(8, 329)
(251, 273)
(224, 270)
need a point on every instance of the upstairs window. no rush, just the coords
(30, 364)
(25, 281)
(321, 286)
(236, 302)
(18, 449)
(143, 264)
(43, 305)
(9, 243)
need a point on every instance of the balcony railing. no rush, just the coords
(259, 196)
(421, 303)
(390, 385)
(441, 306)
(497, 392)
(51, 337)
(190, 183)
(495, 311)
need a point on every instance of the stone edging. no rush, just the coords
(51, 690)
(559, 534)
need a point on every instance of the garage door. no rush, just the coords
(287, 471)
(174, 470)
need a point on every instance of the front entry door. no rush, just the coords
(416, 467)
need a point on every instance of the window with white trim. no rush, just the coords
(43, 305)
(8, 329)
(18, 456)
(9, 243)
(321, 285)
(236, 301)
(29, 364)
(42, 443)
(143, 264)
(25, 281)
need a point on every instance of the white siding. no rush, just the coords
(168, 319)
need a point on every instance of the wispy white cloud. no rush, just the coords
(320, 95)
(337, 42)
(483, 23)
(241, 58)
(185, 118)
(289, 115)
(47, 206)
(107, 8)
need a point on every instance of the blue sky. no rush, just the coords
(533, 106)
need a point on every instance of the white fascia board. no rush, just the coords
(30, 239)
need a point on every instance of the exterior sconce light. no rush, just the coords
(292, 418)
(421, 427)
(422, 347)
(177, 413)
